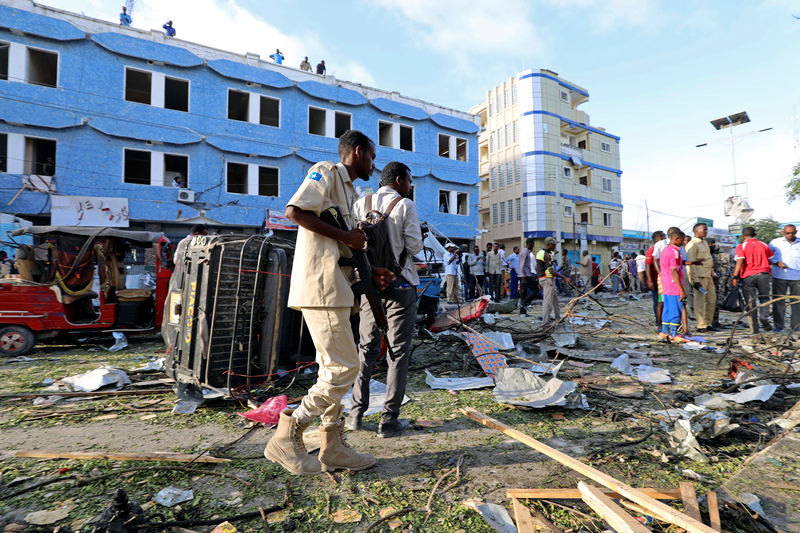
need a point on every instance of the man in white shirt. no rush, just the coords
(400, 300)
(494, 270)
(786, 276)
(641, 270)
(451, 260)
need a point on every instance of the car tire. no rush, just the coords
(16, 341)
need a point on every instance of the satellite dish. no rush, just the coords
(738, 208)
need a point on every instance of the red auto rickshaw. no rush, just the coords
(52, 294)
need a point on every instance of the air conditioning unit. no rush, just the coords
(186, 196)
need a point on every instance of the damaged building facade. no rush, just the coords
(545, 170)
(108, 125)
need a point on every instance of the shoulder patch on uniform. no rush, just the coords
(316, 176)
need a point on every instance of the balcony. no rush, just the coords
(483, 169)
(571, 151)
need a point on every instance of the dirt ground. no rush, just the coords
(618, 434)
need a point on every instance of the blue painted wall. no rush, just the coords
(92, 124)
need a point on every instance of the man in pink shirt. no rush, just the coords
(671, 266)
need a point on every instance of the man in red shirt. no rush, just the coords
(753, 267)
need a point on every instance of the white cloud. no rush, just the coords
(227, 25)
(470, 31)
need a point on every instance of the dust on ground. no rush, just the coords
(617, 435)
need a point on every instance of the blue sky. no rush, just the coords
(657, 72)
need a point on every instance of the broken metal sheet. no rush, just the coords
(545, 368)
(495, 515)
(170, 496)
(154, 365)
(377, 396)
(683, 442)
(603, 357)
(457, 383)
(565, 340)
(120, 341)
(719, 400)
(623, 364)
(652, 374)
(99, 377)
(501, 339)
(787, 420)
(519, 386)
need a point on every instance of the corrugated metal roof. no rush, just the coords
(240, 71)
(142, 49)
(39, 25)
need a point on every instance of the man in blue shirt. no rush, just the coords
(168, 29)
(513, 271)
(124, 18)
(277, 57)
(786, 275)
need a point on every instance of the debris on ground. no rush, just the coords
(457, 383)
(520, 386)
(377, 396)
(269, 412)
(495, 515)
(170, 496)
(98, 378)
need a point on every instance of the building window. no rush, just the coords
(605, 147)
(508, 97)
(514, 94)
(606, 184)
(493, 178)
(566, 172)
(519, 209)
(516, 130)
(565, 96)
(453, 202)
(568, 211)
(394, 135)
(516, 171)
(494, 214)
(342, 123)
(499, 103)
(42, 67)
(444, 145)
(406, 138)
(137, 167)
(584, 218)
(461, 149)
(491, 106)
(508, 134)
(385, 134)
(584, 180)
(607, 219)
(137, 86)
(509, 173)
(4, 47)
(40, 156)
(176, 171)
(238, 105)
(501, 176)
(270, 112)
(316, 121)
(492, 138)
(267, 181)
(510, 210)
(500, 141)
(3, 152)
(176, 94)
(502, 212)
(237, 178)
(582, 144)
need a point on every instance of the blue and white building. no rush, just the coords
(104, 124)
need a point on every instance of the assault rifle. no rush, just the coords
(366, 283)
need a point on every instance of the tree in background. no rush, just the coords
(767, 228)
(793, 187)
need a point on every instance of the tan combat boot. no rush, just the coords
(286, 446)
(336, 454)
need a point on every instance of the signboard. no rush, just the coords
(735, 229)
(707, 221)
(278, 220)
(88, 211)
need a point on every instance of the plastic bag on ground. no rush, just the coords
(457, 383)
(268, 412)
(120, 342)
(170, 496)
(520, 386)
(99, 377)
(761, 393)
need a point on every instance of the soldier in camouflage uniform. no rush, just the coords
(723, 275)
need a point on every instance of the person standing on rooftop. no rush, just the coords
(277, 56)
(305, 65)
(169, 31)
(124, 18)
(321, 68)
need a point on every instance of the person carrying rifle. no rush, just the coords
(400, 299)
(320, 289)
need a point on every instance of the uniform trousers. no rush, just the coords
(337, 358)
(704, 304)
(549, 300)
(401, 313)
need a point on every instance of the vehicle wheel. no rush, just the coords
(16, 340)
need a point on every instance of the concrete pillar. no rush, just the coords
(17, 62)
(453, 201)
(157, 169)
(452, 147)
(254, 108)
(330, 123)
(396, 136)
(252, 179)
(157, 89)
(16, 153)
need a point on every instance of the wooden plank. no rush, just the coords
(522, 517)
(656, 508)
(613, 514)
(689, 498)
(575, 494)
(121, 456)
(80, 394)
(713, 511)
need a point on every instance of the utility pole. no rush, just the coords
(647, 211)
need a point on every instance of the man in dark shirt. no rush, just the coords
(321, 69)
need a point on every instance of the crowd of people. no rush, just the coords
(693, 275)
